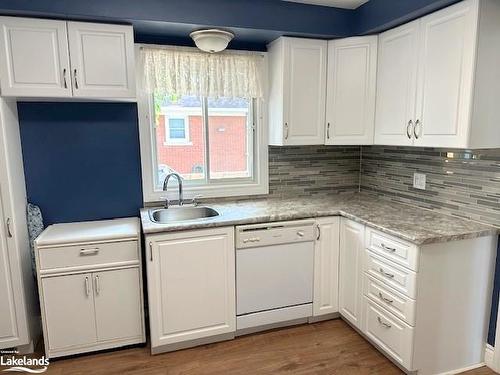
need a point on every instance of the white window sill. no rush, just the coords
(177, 143)
(208, 191)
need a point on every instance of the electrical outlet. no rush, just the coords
(419, 181)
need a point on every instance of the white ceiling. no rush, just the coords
(347, 4)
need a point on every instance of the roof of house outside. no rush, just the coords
(193, 101)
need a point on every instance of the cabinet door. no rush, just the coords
(326, 267)
(351, 85)
(34, 59)
(304, 91)
(102, 60)
(191, 285)
(396, 85)
(118, 304)
(8, 322)
(446, 76)
(68, 302)
(351, 255)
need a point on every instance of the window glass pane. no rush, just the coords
(176, 127)
(230, 138)
(180, 138)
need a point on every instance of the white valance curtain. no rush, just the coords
(185, 71)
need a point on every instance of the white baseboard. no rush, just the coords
(489, 353)
(464, 369)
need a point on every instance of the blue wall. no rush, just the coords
(81, 160)
(254, 22)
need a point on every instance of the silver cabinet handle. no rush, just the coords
(300, 233)
(97, 285)
(389, 275)
(385, 299)
(257, 239)
(150, 251)
(319, 232)
(65, 82)
(408, 129)
(87, 286)
(328, 131)
(76, 79)
(417, 123)
(87, 252)
(385, 247)
(287, 130)
(9, 230)
(386, 325)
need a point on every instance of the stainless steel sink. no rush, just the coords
(175, 214)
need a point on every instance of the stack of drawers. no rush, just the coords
(390, 268)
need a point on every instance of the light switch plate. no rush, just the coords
(419, 180)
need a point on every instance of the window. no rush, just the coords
(222, 138)
(176, 129)
(217, 144)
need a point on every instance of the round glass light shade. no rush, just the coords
(211, 40)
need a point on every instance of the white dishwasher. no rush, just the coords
(274, 273)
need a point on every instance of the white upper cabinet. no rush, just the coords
(297, 91)
(35, 59)
(396, 85)
(446, 76)
(351, 85)
(437, 79)
(101, 62)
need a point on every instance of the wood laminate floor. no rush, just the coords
(330, 347)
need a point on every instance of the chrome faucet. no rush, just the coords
(165, 185)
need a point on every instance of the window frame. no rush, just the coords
(258, 185)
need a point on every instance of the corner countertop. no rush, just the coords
(413, 224)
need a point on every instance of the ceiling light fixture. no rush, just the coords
(212, 40)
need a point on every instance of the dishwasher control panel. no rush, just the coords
(274, 233)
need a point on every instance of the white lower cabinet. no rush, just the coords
(351, 254)
(326, 267)
(69, 311)
(398, 304)
(191, 287)
(118, 304)
(415, 304)
(93, 301)
(388, 332)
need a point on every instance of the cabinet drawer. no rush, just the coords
(388, 332)
(88, 255)
(399, 251)
(395, 302)
(391, 274)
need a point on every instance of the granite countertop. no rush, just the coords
(413, 224)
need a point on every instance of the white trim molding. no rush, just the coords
(489, 353)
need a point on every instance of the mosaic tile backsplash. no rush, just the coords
(463, 183)
(313, 170)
